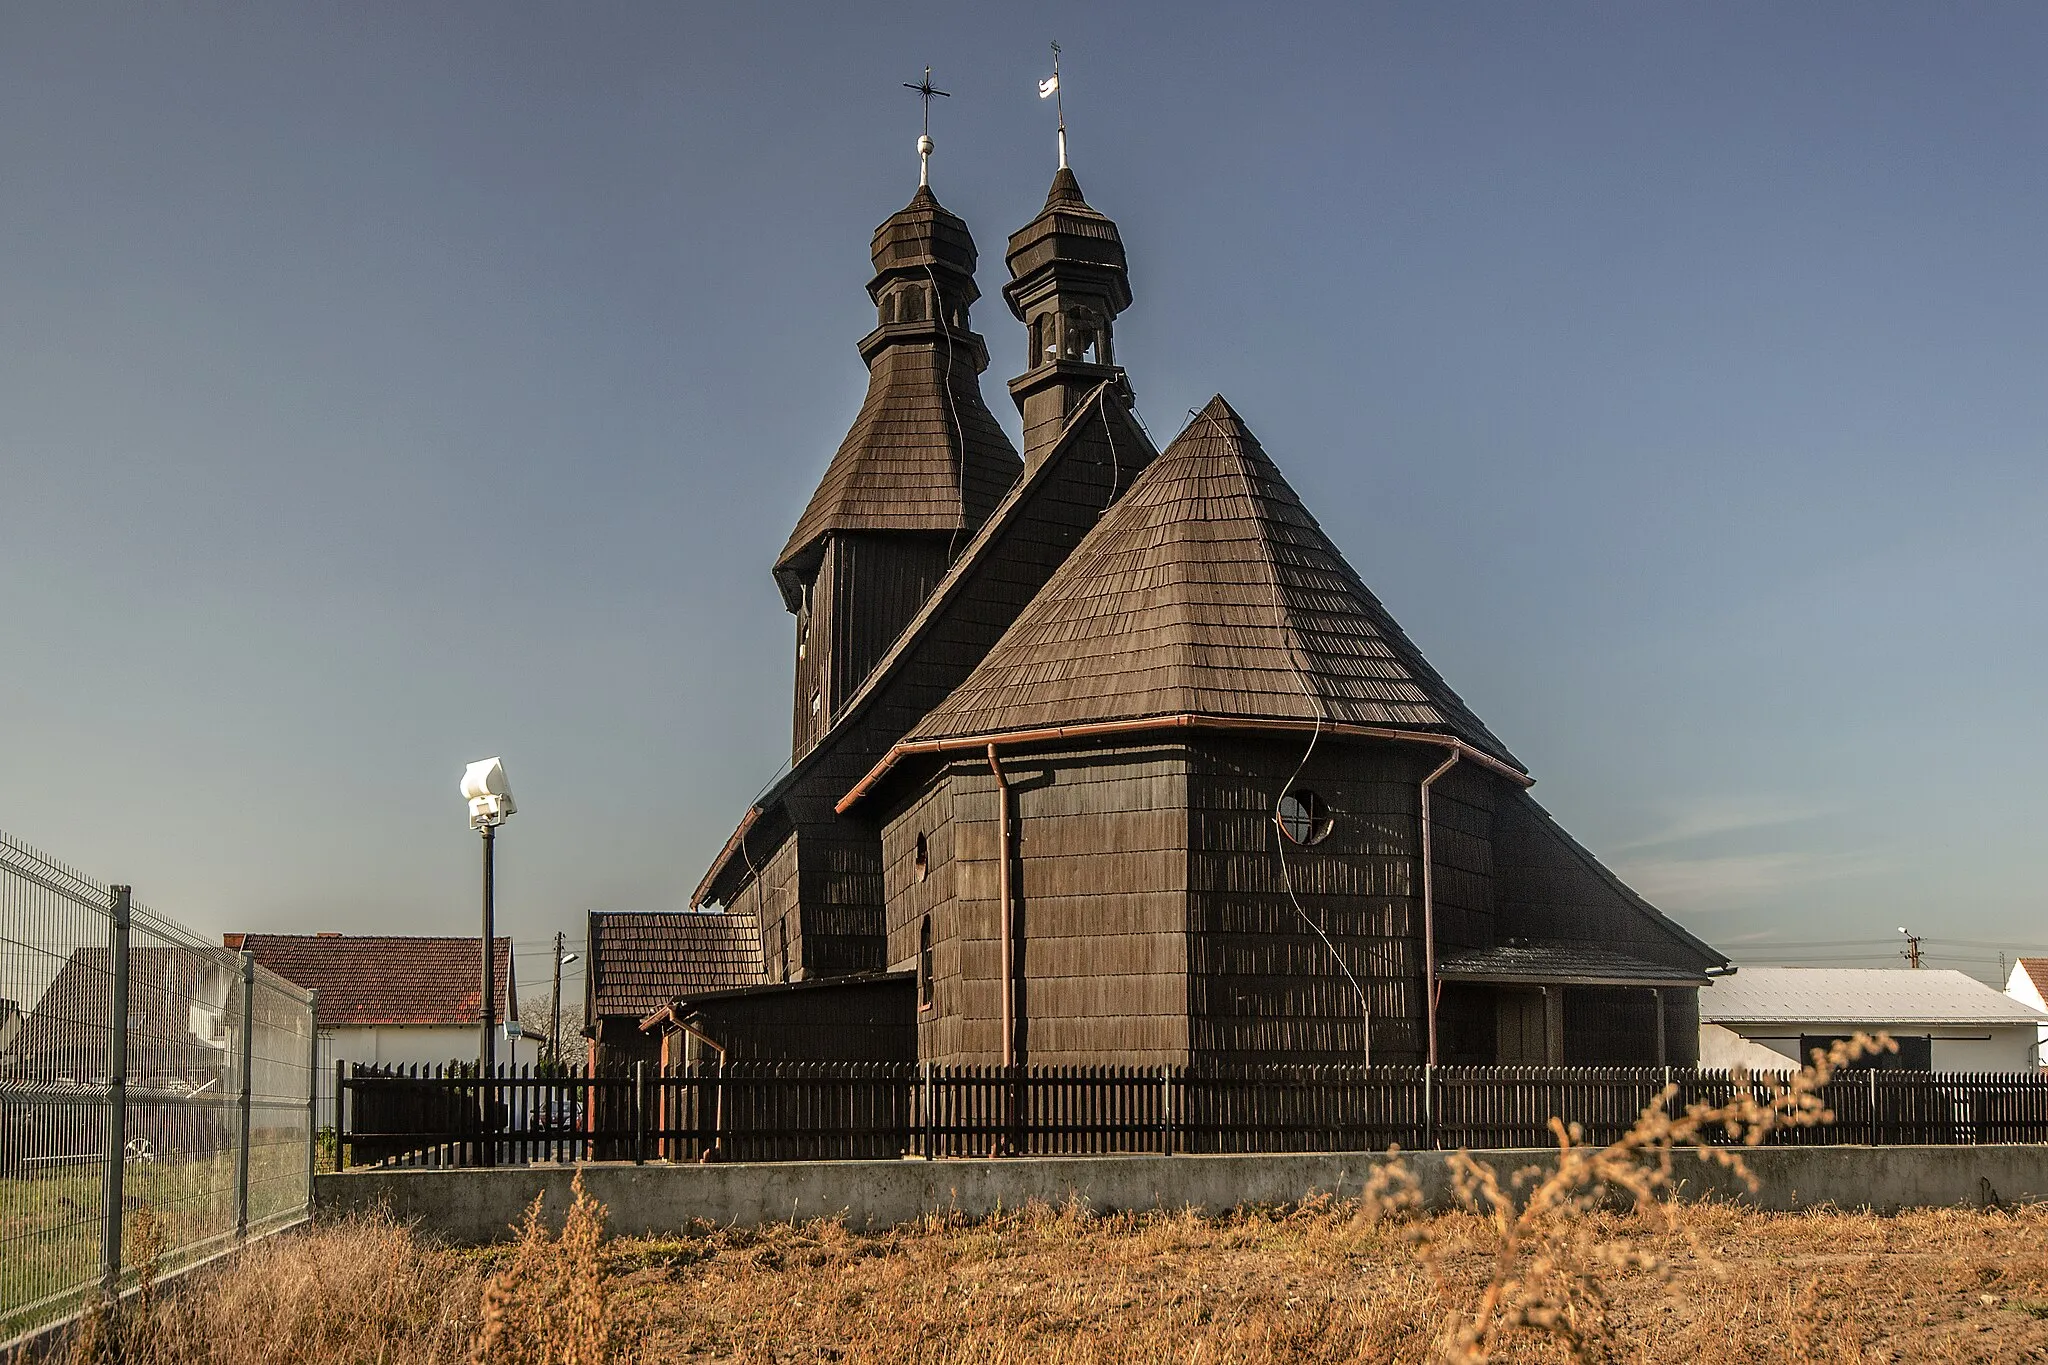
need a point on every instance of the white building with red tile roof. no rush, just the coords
(2028, 984)
(392, 1000)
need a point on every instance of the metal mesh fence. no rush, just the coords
(187, 1126)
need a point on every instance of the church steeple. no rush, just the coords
(1068, 284)
(919, 471)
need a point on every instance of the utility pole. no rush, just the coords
(1911, 952)
(555, 1019)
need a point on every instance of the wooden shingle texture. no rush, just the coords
(924, 453)
(641, 960)
(1208, 589)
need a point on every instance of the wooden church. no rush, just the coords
(1103, 754)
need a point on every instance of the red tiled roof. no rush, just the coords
(372, 979)
(2037, 972)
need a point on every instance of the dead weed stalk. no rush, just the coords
(548, 1305)
(1550, 1265)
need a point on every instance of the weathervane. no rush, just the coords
(1051, 88)
(926, 89)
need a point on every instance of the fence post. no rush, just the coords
(1166, 1110)
(312, 1096)
(116, 1117)
(640, 1113)
(924, 1096)
(340, 1115)
(248, 1056)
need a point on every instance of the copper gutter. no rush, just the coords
(1429, 981)
(1009, 917)
(1103, 729)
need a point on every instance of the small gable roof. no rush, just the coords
(1207, 590)
(641, 960)
(372, 979)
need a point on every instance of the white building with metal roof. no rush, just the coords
(1942, 1020)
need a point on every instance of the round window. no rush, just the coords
(1303, 817)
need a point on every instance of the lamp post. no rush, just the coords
(562, 959)
(490, 805)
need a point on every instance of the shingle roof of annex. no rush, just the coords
(1561, 962)
(1858, 995)
(1209, 590)
(387, 979)
(641, 960)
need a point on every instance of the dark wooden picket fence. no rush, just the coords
(800, 1111)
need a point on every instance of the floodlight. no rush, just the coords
(488, 793)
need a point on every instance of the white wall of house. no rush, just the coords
(1971, 1047)
(407, 1044)
(2020, 986)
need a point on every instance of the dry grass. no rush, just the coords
(1587, 1261)
(1314, 1283)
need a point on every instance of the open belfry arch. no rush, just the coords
(1113, 754)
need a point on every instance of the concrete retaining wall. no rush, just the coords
(480, 1206)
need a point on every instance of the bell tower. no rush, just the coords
(920, 470)
(1067, 285)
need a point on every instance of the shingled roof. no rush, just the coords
(641, 960)
(366, 979)
(1207, 590)
(924, 452)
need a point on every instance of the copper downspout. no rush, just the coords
(1151, 724)
(1429, 983)
(1009, 908)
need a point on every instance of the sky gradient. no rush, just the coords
(387, 386)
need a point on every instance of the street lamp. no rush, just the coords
(490, 805)
(562, 959)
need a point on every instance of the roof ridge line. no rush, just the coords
(1283, 624)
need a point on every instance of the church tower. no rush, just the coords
(1067, 286)
(921, 469)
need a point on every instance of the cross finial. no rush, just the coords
(926, 90)
(1052, 87)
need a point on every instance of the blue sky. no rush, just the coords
(385, 386)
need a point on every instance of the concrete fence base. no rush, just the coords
(477, 1206)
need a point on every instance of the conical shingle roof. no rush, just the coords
(1208, 590)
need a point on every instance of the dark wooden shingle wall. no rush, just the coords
(1265, 986)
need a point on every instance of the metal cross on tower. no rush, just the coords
(926, 90)
(1059, 104)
